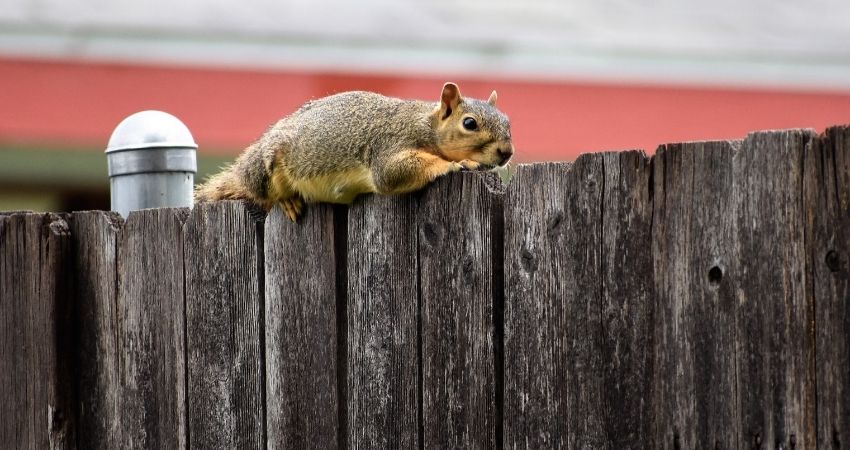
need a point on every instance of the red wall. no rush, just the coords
(78, 104)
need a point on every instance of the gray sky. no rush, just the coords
(744, 42)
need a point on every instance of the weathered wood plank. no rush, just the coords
(152, 351)
(553, 290)
(628, 292)
(680, 310)
(457, 264)
(694, 257)
(224, 326)
(37, 384)
(774, 325)
(301, 330)
(827, 207)
(382, 341)
(95, 252)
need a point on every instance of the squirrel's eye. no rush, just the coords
(470, 124)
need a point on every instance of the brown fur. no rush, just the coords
(335, 148)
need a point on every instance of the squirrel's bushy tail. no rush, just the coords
(222, 186)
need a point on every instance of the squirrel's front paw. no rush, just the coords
(468, 164)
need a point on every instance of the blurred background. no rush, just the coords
(574, 76)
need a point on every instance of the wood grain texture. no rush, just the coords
(694, 255)
(301, 330)
(700, 299)
(553, 367)
(224, 326)
(382, 341)
(456, 269)
(774, 325)
(95, 255)
(628, 292)
(37, 383)
(827, 207)
(152, 330)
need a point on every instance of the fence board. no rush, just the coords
(552, 306)
(775, 339)
(827, 202)
(95, 253)
(301, 334)
(694, 259)
(697, 300)
(37, 400)
(224, 308)
(382, 340)
(457, 264)
(152, 351)
(628, 292)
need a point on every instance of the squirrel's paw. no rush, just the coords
(468, 164)
(292, 206)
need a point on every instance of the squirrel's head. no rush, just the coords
(472, 129)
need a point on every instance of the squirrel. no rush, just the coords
(335, 148)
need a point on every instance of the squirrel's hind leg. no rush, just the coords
(292, 207)
(280, 189)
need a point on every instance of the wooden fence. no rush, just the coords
(695, 299)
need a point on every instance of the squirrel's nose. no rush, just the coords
(505, 153)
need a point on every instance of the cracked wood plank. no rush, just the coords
(301, 330)
(224, 320)
(37, 382)
(382, 342)
(460, 254)
(152, 335)
(827, 202)
(775, 338)
(627, 309)
(553, 295)
(95, 242)
(694, 255)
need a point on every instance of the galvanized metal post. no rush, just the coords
(152, 163)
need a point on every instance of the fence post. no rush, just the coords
(151, 157)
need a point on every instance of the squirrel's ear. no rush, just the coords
(493, 98)
(449, 100)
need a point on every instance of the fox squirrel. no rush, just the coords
(337, 147)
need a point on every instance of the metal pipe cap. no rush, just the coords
(150, 129)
